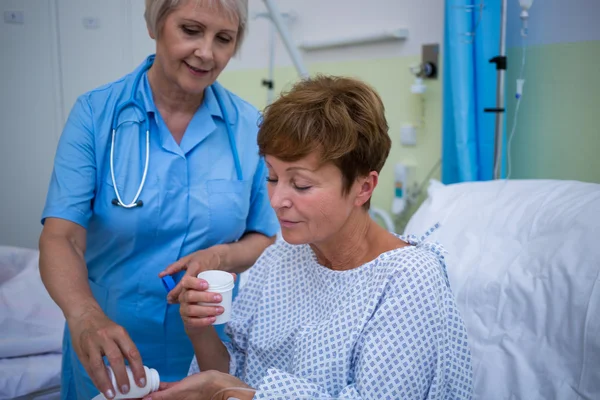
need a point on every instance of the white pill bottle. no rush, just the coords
(135, 392)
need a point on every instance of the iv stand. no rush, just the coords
(278, 26)
(277, 19)
(500, 62)
(269, 82)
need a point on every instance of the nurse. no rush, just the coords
(177, 186)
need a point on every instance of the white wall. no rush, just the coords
(121, 42)
(92, 57)
(52, 58)
(30, 117)
(321, 19)
(318, 19)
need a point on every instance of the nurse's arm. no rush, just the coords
(62, 267)
(239, 256)
(231, 257)
(64, 273)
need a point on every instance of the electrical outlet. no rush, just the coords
(91, 23)
(14, 17)
(408, 135)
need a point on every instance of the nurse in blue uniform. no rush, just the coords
(157, 172)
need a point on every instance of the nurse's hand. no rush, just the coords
(209, 385)
(193, 264)
(195, 316)
(94, 335)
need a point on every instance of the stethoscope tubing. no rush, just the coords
(136, 202)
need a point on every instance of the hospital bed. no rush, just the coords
(524, 264)
(31, 327)
(523, 261)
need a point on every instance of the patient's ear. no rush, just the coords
(366, 186)
(150, 33)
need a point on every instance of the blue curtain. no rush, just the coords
(471, 39)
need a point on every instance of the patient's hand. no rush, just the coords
(209, 385)
(196, 317)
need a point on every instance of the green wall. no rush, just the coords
(558, 129)
(392, 79)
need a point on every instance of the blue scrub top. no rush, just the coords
(192, 200)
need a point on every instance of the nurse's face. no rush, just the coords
(307, 197)
(195, 44)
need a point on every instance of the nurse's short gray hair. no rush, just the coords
(157, 10)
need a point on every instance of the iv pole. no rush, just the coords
(277, 19)
(277, 25)
(500, 62)
(270, 82)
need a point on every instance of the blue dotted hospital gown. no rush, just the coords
(389, 329)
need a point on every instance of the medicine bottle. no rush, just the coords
(135, 392)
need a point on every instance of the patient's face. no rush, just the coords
(307, 197)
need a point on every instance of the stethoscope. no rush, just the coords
(132, 102)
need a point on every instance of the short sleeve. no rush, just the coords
(261, 217)
(73, 180)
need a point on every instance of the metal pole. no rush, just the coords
(500, 97)
(285, 37)
(271, 89)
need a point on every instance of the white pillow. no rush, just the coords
(524, 264)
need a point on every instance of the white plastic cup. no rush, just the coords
(220, 282)
(135, 392)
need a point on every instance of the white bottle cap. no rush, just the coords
(153, 379)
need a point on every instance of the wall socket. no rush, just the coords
(91, 23)
(14, 17)
(408, 135)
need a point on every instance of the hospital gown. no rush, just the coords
(389, 329)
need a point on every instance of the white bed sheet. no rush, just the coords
(31, 322)
(524, 263)
(31, 326)
(23, 376)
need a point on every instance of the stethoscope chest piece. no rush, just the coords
(139, 203)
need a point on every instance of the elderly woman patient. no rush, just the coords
(341, 308)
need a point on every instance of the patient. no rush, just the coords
(342, 308)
